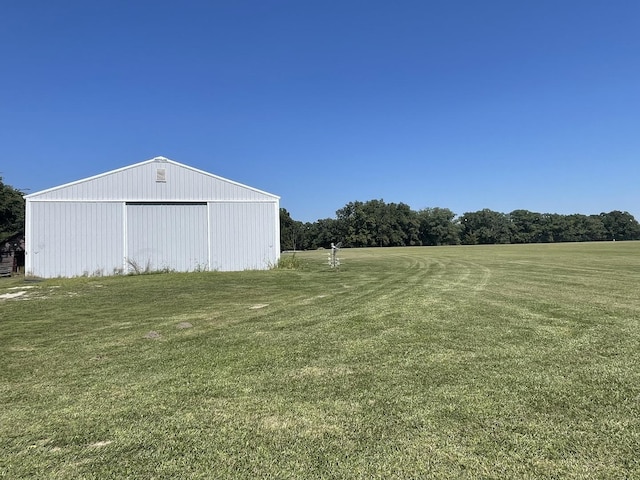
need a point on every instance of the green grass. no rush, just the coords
(441, 362)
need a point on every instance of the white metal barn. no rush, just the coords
(157, 214)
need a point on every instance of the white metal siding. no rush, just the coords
(138, 183)
(72, 239)
(243, 236)
(183, 219)
(167, 236)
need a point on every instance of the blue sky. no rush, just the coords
(458, 104)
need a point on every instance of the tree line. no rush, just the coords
(378, 224)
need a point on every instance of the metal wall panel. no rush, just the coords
(96, 225)
(243, 236)
(164, 236)
(140, 183)
(72, 239)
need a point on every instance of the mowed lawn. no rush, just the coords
(436, 362)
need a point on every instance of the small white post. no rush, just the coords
(334, 261)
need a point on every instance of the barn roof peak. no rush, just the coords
(134, 189)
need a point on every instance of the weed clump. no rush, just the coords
(289, 262)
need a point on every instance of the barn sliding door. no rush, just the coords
(167, 236)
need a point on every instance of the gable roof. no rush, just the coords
(157, 179)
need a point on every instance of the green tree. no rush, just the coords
(11, 211)
(377, 224)
(554, 226)
(620, 226)
(407, 224)
(324, 232)
(485, 227)
(527, 227)
(293, 234)
(358, 225)
(595, 228)
(438, 226)
(381, 221)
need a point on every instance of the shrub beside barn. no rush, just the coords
(154, 215)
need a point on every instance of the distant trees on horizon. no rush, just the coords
(378, 224)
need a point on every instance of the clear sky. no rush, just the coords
(462, 104)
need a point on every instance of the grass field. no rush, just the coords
(438, 362)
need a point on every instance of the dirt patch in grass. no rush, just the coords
(7, 296)
(312, 426)
(274, 422)
(322, 372)
(30, 292)
(22, 349)
(100, 444)
(182, 325)
(153, 335)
